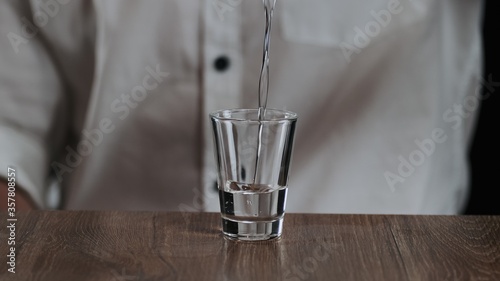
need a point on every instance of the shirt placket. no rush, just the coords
(222, 80)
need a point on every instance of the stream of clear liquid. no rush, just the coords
(264, 78)
(264, 72)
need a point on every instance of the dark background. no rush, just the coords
(484, 157)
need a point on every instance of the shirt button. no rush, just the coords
(221, 63)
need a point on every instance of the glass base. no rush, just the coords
(252, 230)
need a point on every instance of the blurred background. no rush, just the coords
(483, 155)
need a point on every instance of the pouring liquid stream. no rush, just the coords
(264, 80)
(264, 72)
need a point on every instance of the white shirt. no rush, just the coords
(112, 98)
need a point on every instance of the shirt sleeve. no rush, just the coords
(31, 99)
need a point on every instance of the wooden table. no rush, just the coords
(121, 246)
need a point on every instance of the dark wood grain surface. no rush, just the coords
(120, 246)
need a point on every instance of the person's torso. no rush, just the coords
(372, 84)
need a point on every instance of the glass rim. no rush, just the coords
(287, 115)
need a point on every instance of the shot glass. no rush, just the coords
(253, 153)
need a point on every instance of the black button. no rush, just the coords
(216, 187)
(221, 63)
